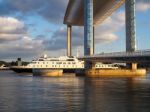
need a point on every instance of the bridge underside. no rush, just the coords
(102, 9)
(141, 59)
(120, 57)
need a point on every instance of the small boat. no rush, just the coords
(4, 67)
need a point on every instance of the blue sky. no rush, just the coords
(30, 29)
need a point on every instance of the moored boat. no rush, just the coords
(4, 67)
(21, 69)
(47, 66)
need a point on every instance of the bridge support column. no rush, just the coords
(130, 29)
(88, 30)
(130, 26)
(93, 39)
(69, 42)
(134, 66)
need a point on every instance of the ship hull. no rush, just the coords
(21, 69)
(4, 68)
(47, 72)
(69, 70)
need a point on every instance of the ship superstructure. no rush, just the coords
(62, 62)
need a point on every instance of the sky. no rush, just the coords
(31, 28)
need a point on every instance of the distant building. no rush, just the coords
(19, 62)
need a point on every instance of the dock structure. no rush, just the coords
(90, 13)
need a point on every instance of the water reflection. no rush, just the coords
(116, 95)
(73, 94)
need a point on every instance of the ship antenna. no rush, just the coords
(78, 52)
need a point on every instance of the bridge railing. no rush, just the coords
(125, 54)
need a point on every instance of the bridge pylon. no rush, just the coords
(130, 29)
(69, 40)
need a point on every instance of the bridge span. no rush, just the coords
(120, 57)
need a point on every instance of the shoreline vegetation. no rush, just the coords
(13, 63)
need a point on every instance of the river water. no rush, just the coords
(73, 94)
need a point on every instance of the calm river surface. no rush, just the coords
(73, 94)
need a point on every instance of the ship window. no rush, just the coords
(64, 63)
(69, 63)
(70, 59)
(43, 62)
(59, 62)
(46, 66)
(54, 60)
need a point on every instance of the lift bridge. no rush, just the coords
(90, 13)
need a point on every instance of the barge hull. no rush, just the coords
(115, 73)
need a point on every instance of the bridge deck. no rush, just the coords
(136, 57)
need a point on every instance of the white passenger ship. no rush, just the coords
(63, 62)
(56, 66)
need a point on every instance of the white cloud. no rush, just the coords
(14, 40)
(10, 23)
(11, 29)
(143, 6)
(106, 31)
(26, 47)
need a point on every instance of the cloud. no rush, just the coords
(26, 47)
(143, 5)
(58, 41)
(51, 10)
(11, 29)
(14, 39)
(104, 33)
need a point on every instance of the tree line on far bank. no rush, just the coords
(13, 63)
